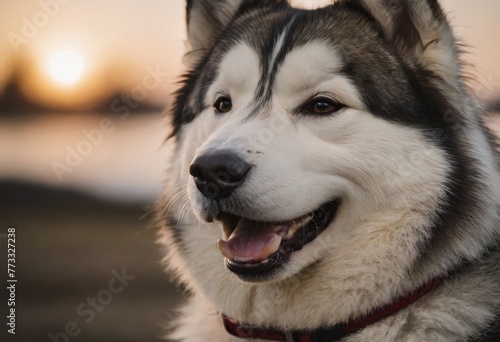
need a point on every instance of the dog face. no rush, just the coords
(316, 137)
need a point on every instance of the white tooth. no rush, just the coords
(276, 245)
(241, 259)
(296, 226)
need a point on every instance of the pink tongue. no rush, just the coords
(250, 242)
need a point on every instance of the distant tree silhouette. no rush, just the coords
(14, 103)
(12, 99)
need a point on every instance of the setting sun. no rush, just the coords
(66, 67)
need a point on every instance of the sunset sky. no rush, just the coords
(111, 45)
(116, 41)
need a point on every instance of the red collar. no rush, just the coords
(334, 333)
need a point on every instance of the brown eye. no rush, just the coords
(223, 105)
(322, 106)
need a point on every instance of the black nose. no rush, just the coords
(217, 173)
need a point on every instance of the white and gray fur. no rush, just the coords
(409, 156)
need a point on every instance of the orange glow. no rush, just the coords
(64, 78)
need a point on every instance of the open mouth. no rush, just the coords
(255, 250)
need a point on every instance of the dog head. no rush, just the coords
(327, 138)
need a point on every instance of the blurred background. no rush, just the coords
(83, 84)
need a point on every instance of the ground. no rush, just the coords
(67, 246)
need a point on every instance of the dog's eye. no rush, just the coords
(223, 105)
(322, 106)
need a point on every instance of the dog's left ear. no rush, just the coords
(418, 30)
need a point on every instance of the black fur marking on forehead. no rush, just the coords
(269, 63)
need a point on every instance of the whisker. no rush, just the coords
(172, 201)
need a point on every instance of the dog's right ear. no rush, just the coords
(207, 18)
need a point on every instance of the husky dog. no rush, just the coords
(331, 178)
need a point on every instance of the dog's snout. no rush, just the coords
(217, 173)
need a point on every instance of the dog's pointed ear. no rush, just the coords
(207, 18)
(409, 25)
(417, 29)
